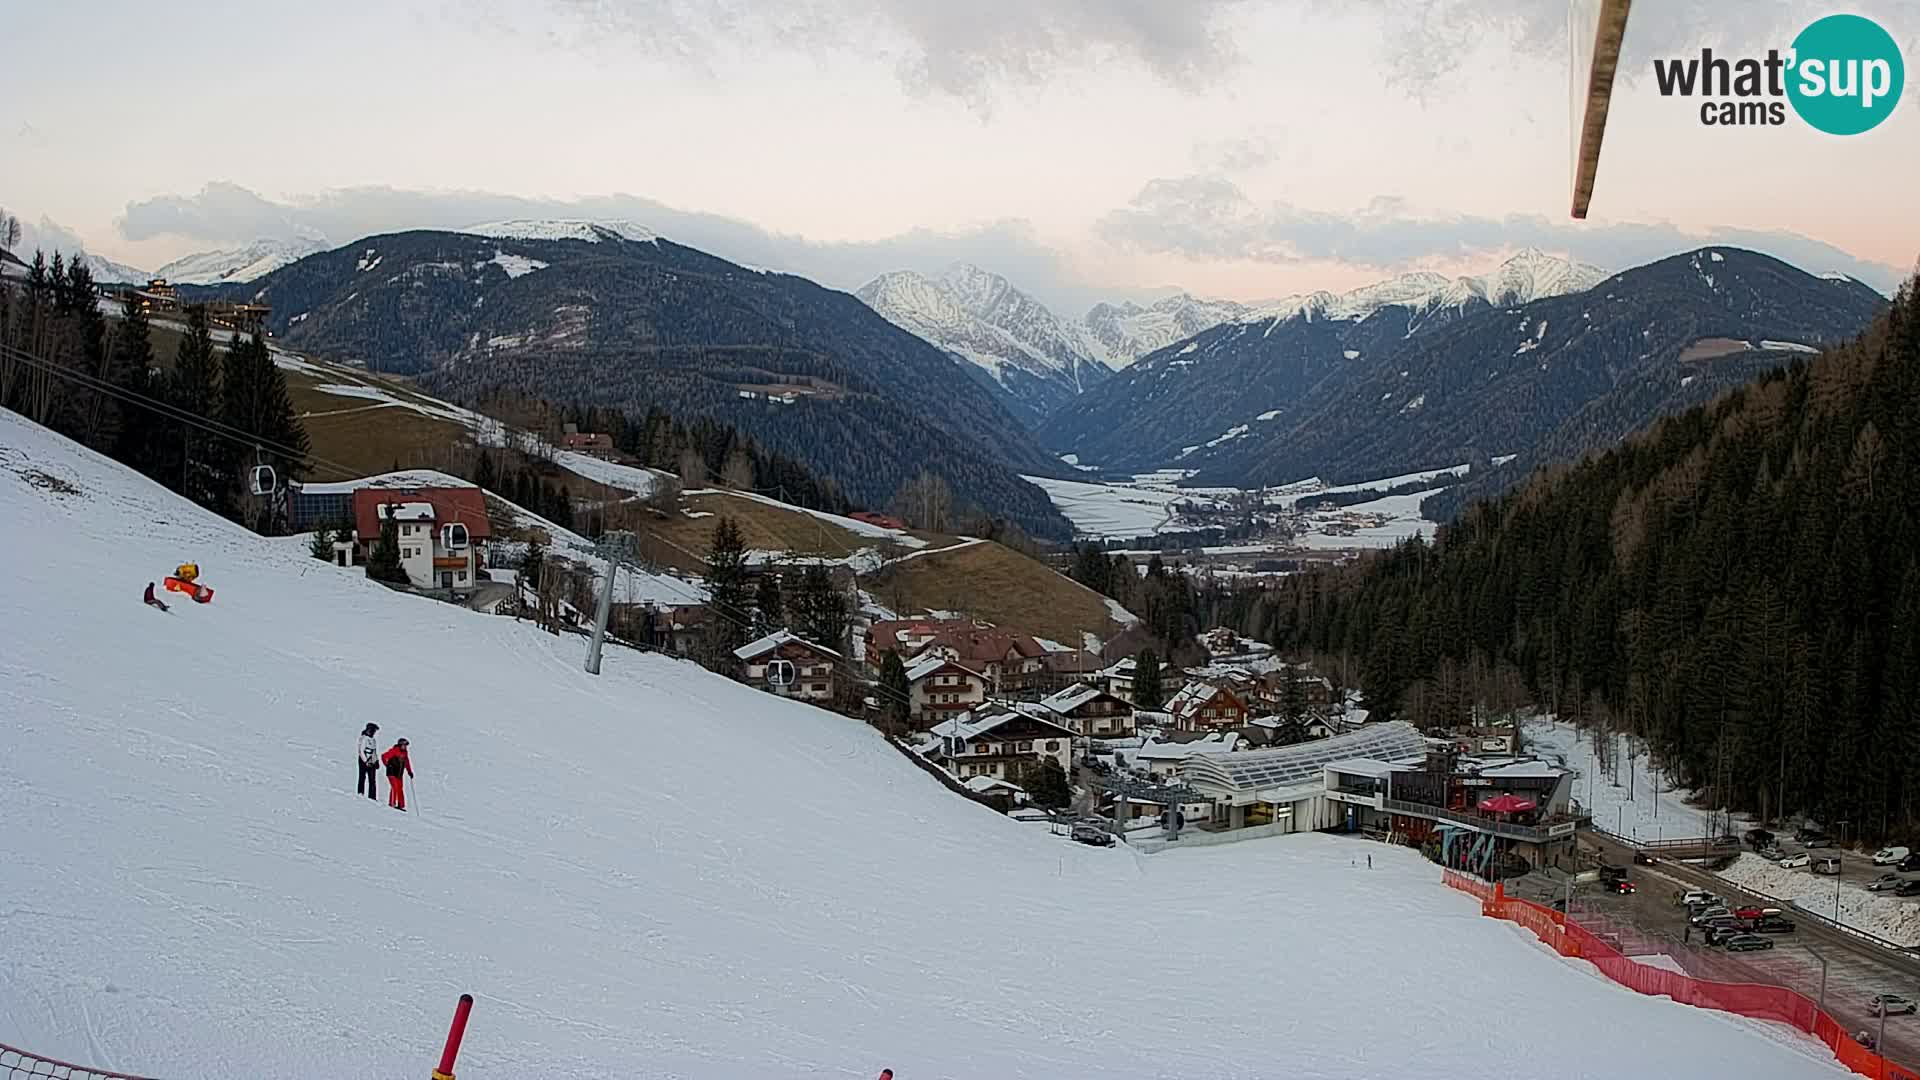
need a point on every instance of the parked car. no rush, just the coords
(1891, 1005)
(1805, 831)
(1818, 840)
(1748, 943)
(1087, 832)
(1794, 862)
(1907, 888)
(1759, 838)
(1887, 856)
(1773, 924)
(1720, 932)
(1755, 911)
(1827, 864)
(1884, 881)
(1909, 864)
(1773, 854)
(1697, 896)
(1644, 858)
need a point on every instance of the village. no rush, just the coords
(1098, 740)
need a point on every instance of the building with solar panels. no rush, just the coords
(1285, 790)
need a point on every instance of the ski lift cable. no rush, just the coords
(170, 410)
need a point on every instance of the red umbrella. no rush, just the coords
(1507, 804)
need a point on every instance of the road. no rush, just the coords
(1652, 920)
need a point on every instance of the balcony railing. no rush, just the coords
(1535, 834)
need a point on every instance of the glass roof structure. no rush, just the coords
(1245, 774)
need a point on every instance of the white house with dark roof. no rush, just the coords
(1090, 710)
(806, 670)
(1001, 743)
(939, 687)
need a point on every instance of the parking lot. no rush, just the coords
(1651, 920)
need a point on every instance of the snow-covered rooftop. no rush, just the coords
(762, 646)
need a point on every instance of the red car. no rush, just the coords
(1753, 912)
(1621, 887)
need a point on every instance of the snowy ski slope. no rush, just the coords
(655, 873)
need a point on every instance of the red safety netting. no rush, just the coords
(18, 1065)
(1762, 1002)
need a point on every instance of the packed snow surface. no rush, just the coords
(192, 889)
(1882, 914)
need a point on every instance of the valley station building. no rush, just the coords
(1388, 778)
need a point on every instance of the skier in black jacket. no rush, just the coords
(369, 760)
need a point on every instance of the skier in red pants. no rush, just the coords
(397, 763)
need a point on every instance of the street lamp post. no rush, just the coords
(1823, 974)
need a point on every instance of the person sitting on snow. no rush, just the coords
(397, 763)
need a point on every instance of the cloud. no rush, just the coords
(48, 236)
(1428, 42)
(224, 215)
(970, 50)
(1243, 154)
(1208, 218)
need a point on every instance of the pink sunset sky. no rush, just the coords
(1089, 149)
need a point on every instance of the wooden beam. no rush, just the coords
(1593, 124)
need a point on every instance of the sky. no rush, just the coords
(1088, 149)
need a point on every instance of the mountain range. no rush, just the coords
(1538, 361)
(610, 314)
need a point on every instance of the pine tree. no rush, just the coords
(321, 546)
(825, 607)
(896, 693)
(769, 613)
(384, 562)
(198, 466)
(531, 565)
(729, 604)
(483, 472)
(1046, 784)
(1148, 692)
(137, 442)
(255, 401)
(1293, 697)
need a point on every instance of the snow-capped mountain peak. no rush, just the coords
(258, 259)
(978, 317)
(593, 232)
(1126, 331)
(1530, 275)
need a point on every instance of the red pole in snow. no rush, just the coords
(454, 1034)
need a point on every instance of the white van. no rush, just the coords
(1887, 856)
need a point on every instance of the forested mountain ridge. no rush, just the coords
(609, 318)
(1740, 586)
(1401, 388)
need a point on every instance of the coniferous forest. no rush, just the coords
(1738, 586)
(200, 425)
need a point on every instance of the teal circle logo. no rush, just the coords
(1847, 75)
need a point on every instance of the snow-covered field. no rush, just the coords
(1151, 503)
(1882, 914)
(651, 873)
